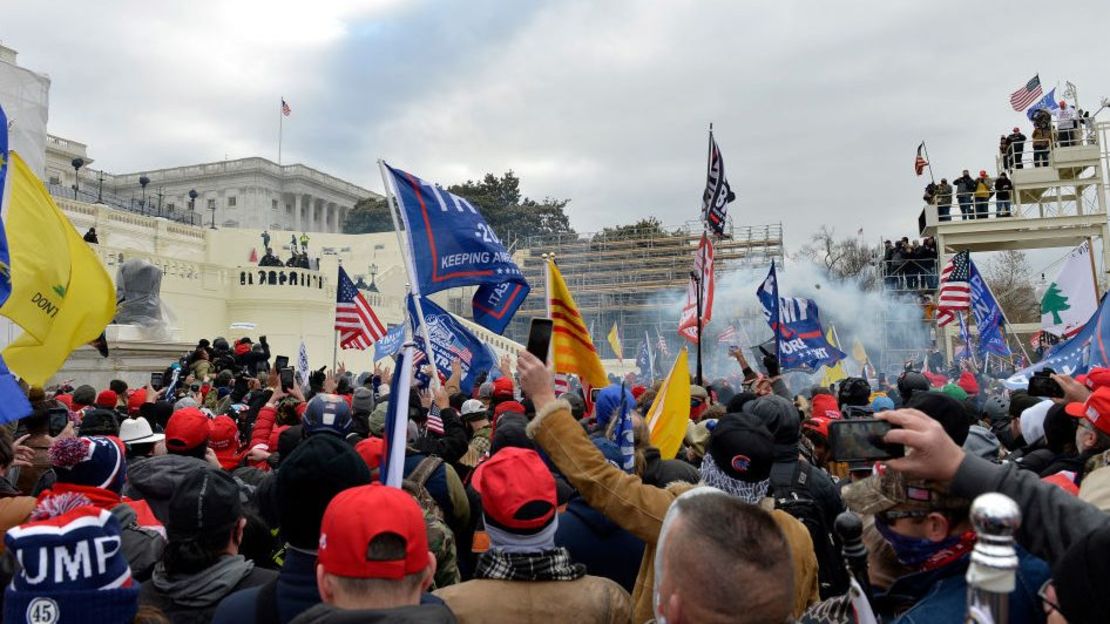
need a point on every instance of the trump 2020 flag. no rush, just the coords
(451, 245)
(450, 341)
(390, 344)
(988, 316)
(717, 193)
(396, 421)
(800, 342)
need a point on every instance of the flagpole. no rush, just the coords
(547, 293)
(1002, 311)
(928, 161)
(406, 253)
(281, 124)
(651, 358)
(1094, 271)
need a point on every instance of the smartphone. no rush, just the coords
(861, 439)
(59, 418)
(1044, 386)
(539, 337)
(281, 361)
(593, 394)
(286, 378)
(156, 381)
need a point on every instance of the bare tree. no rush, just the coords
(845, 258)
(1010, 279)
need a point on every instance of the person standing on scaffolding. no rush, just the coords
(983, 194)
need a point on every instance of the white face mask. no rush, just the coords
(660, 547)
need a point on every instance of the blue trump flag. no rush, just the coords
(644, 360)
(964, 351)
(450, 341)
(1048, 103)
(988, 316)
(13, 403)
(390, 344)
(451, 245)
(1085, 350)
(799, 339)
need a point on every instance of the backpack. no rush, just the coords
(441, 540)
(788, 488)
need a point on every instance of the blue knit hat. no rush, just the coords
(609, 404)
(73, 570)
(94, 461)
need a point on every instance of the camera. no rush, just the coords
(1041, 384)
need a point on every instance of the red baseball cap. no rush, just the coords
(107, 399)
(518, 491)
(824, 406)
(502, 388)
(1096, 409)
(223, 439)
(135, 401)
(187, 429)
(1096, 378)
(818, 424)
(508, 406)
(348, 532)
(371, 450)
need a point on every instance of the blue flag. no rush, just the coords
(450, 341)
(1085, 350)
(964, 351)
(390, 344)
(13, 403)
(392, 468)
(800, 342)
(644, 361)
(988, 316)
(624, 436)
(1048, 103)
(451, 246)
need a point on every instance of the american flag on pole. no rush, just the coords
(358, 326)
(955, 291)
(1024, 97)
(920, 163)
(285, 110)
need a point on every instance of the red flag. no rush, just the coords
(703, 267)
(920, 163)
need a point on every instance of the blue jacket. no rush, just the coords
(600, 544)
(941, 595)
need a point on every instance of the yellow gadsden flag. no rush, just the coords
(615, 342)
(61, 295)
(835, 372)
(572, 346)
(670, 411)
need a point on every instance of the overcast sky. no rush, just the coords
(818, 106)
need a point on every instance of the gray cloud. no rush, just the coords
(818, 106)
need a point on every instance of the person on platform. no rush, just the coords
(1004, 152)
(1067, 125)
(269, 259)
(944, 200)
(1017, 147)
(965, 187)
(1003, 189)
(90, 237)
(983, 192)
(1042, 143)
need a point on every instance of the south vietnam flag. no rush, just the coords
(572, 347)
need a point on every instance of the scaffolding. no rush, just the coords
(635, 278)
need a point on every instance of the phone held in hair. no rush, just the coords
(156, 381)
(286, 378)
(1041, 384)
(861, 439)
(281, 361)
(539, 337)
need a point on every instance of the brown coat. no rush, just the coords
(639, 508)
(588, 600)
(13, 512)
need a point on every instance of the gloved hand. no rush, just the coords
(771, 363)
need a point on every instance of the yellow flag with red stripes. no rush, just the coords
(572, 347)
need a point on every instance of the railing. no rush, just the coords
(1031, 158)
(240, 165)
(135, 206)
(1054, 206)
(281, 276)
(909, 274)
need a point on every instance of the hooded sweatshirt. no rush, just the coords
(193, 598)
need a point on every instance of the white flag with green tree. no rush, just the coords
(1070, 299)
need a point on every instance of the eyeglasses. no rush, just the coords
(1042, 593)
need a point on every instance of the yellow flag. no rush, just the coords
(835, 372)
(61, 295)
(615, 342)
(572, 347)
(670, 411)
(858, 352)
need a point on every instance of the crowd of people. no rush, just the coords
(226, 494)
(973, 196)
(910, 264)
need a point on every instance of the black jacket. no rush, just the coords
(660, 472)
(194, 598)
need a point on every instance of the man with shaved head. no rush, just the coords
(721, 560)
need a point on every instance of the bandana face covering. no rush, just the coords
(915, 552)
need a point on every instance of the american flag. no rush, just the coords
(728, 335)
(355, 321)
(920, 164)
(1025, 96)
(955, 291)
(661, 347)
(285, 110)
